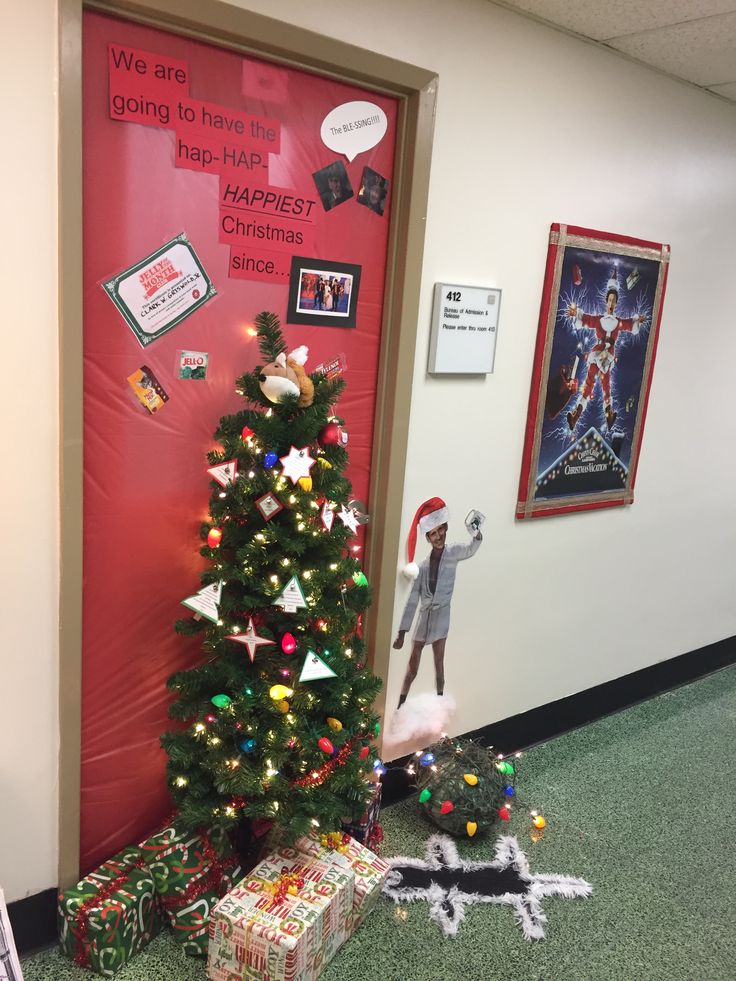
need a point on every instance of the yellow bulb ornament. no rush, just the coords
(538, 821)
(305, 483)
(470, 779)
(334, 724)
(283, 706)
(279, 692)
(471, 827)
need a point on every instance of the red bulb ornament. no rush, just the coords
(446, 807)
(504, 813)
(214, 536)
(247, 433)
(288, 644)
(332, 435)
(325, 745)
(364, 752)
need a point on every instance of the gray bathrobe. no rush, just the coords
(434, 608)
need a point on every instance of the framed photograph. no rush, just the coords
(322, 292)
(596, 344)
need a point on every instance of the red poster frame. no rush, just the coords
(531, 502)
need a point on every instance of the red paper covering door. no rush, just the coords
(145, 487)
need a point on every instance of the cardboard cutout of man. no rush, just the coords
(434, 582)
(602, 357)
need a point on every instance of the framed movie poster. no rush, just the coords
(596, 342)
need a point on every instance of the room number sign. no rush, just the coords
(464, 329)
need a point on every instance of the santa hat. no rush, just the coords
(429, 516)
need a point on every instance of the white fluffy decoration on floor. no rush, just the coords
(449, 884)
(421, 719)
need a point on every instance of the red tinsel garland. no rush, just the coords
(374, 838)
(81, 956)
(211, 881)
(317, 777)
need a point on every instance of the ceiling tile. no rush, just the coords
(727, 91)
(702, 51)
(603, 19)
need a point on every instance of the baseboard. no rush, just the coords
(34, 919)
(547, 721)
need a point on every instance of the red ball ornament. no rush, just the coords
(364, 752)
(325, 745)
(446, 807)
(288, 644)
(332, 435)
(214, 537)
(504, 813)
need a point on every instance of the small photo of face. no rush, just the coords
(373, 191)
(437, 536)
(333, 185)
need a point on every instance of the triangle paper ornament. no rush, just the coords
(205, 602)
(315, 669)
(292, 597)
(251, 639)
(224, 473)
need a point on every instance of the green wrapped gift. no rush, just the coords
(191, 872)
(111, 915)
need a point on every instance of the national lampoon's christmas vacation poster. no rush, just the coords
(593, 364)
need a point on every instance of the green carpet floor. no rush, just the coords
(641, 804)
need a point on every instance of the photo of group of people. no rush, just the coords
(334, 187)
(323, 292)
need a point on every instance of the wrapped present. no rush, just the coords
(191, 872)
(369, 870)
(366, 829)
(283, 922)
(111, 915)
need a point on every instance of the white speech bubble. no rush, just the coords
(353, 128)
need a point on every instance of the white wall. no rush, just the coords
(29, 487)
(532, 127)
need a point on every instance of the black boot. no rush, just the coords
(610, 416)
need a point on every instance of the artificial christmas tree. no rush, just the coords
(260, 740)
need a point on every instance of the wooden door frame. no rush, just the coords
(241, 30)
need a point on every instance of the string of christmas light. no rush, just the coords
(283, 683)
(456, 810)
